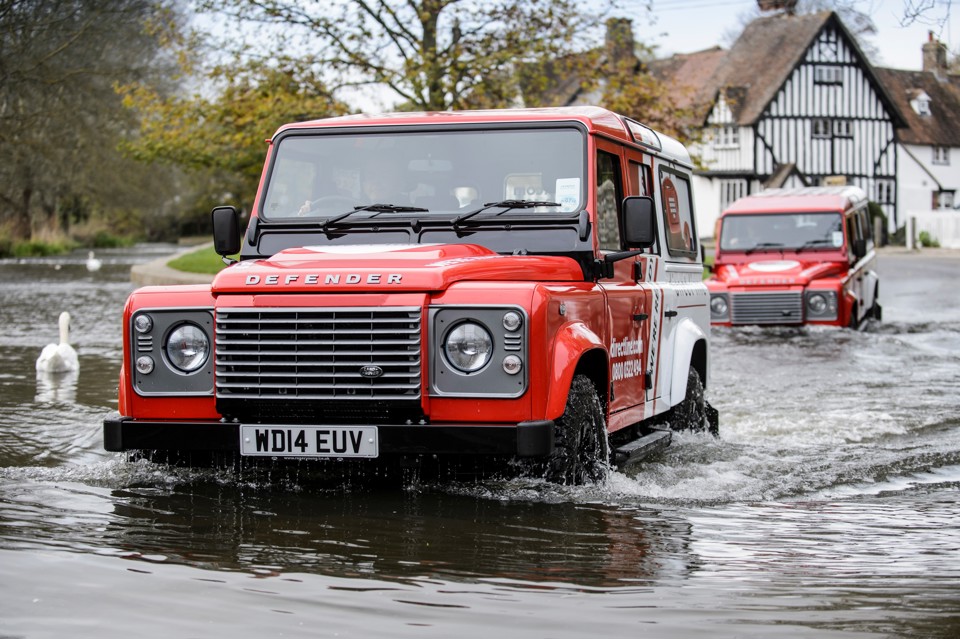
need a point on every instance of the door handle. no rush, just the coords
(670, 313)
(639, 317)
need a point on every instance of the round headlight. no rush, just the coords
(512, 321)
(143, 323)
(187, 348)
(145, 364)
(817, 303)
(718, 305)
(468, 347)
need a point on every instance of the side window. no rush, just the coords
(853, 233)
(641, 173)
(677, 213)
(609, 194)
(866, 227)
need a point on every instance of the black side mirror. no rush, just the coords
(226, 230)
(639, 222)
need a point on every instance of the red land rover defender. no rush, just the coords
(518, 284)
(795, 256)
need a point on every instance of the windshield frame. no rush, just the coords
(761, 238)
(373, 215)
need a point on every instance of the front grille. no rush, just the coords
(280, 356)
(766, 308)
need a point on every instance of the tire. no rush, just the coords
(854, 321)
(581, 450)
(691, 413)
(876, 311)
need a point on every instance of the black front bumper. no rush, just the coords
(526, 439)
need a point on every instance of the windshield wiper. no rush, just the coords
(506, 205)
(812, 243)
(377, 208)
(764, 245)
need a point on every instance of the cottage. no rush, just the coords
(795, 102)
(928, 154)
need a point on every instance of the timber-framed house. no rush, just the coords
(793, 102)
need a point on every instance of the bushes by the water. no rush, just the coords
(41, 248)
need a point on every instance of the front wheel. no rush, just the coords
(854, 317)
(692, 412)
(581, 451)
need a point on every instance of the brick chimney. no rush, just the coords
(787, 6)
(935, 57)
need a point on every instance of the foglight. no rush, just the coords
(512, 321)
(143, 323)
(145, 364)
(512, 365)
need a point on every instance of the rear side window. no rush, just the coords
(609, 194)
(677, 214)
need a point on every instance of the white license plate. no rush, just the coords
(278, 440)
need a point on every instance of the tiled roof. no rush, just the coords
(942, 126)
(755, 68)
(763, 57)
(693, 78)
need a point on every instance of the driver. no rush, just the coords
(384, 182)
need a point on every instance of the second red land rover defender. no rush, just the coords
(795, 257)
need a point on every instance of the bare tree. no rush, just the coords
(432, 54)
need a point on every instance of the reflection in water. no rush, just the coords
(60, 388)
(421, 532)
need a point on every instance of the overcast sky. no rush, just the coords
(685, 26)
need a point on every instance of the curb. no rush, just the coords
(157, 273)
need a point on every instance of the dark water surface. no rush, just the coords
(828, 507)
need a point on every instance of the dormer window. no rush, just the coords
(727, 136)
(921, 103)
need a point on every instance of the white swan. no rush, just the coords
(93, 264)
(59, 358)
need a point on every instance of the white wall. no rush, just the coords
(917, 179)
(943, 226)
(706, 204)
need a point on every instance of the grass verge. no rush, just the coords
(203, 260)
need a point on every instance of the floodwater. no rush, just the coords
(827, 508)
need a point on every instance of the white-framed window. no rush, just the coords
(727, 136)
(828, 75)
(822, 128)
(944, 199)
(731, 191)
(884, 191)
(941, 155)
(843, 128)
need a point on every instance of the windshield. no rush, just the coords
(787, 231)
(362, 174)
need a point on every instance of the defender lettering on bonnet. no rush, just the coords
(517, 290)
(328, 279)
